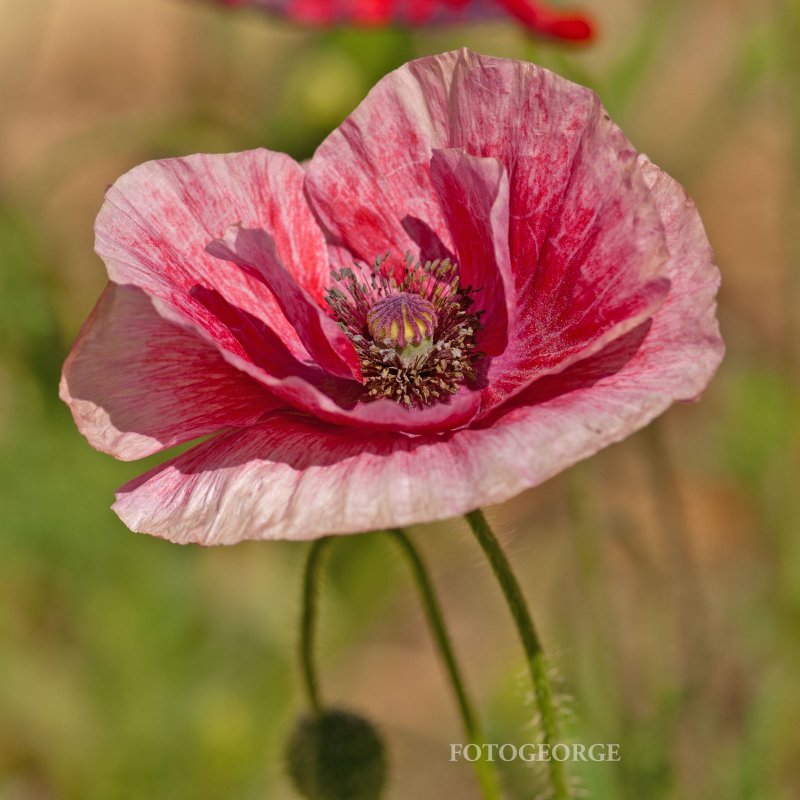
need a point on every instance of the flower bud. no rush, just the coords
(336, 755)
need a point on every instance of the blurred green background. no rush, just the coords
(665, 572)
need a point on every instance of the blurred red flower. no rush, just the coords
(539, 17)
(400, 388)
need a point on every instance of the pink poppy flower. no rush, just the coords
(536, 15)
(401, 388)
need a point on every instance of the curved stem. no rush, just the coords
(433, 611)
(308, 623)
(530, 642)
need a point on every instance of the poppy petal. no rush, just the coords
(137, 384)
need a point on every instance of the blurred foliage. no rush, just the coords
(132, 668)
(27, 327)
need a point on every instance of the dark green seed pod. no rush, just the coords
(336, 755)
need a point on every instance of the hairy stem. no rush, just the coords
(530, 642)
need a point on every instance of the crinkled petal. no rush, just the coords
(297, 478)
(587, 245)
(157, 220)
(137, 384)
(685, 337)
(254, 251)
(474, 196)
(294, 478)
(369, 181)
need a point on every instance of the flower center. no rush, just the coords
(415, 336)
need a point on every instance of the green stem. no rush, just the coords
(308, 623)
(433, 611)
(530, 642)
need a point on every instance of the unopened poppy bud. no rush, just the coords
(336, 755)
(404, 321)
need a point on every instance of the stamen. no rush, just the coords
(415, 339)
